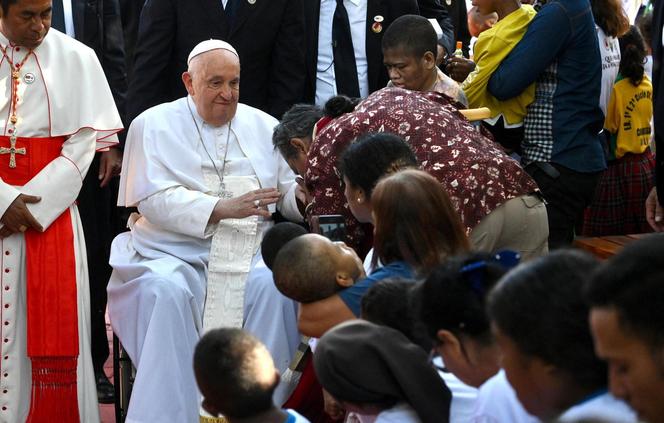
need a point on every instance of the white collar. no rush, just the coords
(355, 2)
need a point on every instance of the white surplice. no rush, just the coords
(62, 92)
(157, 292)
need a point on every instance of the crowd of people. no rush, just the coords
(332, 211)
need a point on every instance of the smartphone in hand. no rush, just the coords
(331, 226)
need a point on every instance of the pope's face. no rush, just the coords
(214, 85)
(27, 22)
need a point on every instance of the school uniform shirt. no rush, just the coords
(602, 407)
(628, 117)
(497, 403)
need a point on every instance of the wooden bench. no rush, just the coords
(604, 247)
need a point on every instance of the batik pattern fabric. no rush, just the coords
(475, 172)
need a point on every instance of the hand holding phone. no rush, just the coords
(331, 226)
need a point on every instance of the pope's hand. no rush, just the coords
(253, 203)
(654, 211)
(17, 217)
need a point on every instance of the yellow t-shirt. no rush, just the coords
(492, 46)
(628, 117)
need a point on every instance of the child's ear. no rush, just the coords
(429, 60)
(344, 279)
(449, 344)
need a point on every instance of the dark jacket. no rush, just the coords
(459, 15)
(268, 35)
(377, 75)
(433, 9)
(130, 12)
(97, 24)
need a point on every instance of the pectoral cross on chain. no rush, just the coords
(12, 151)
(224, 193)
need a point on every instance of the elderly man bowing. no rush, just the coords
(203, 174)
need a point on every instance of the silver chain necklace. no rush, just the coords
(222, 187)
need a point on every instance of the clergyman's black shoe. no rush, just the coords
(105, 390)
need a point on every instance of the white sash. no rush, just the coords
(234, 244)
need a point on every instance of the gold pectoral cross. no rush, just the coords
(12, 151)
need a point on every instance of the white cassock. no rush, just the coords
(62, 92)
(174, 276)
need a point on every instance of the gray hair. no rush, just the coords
(298, 122)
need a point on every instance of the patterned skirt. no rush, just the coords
(618, 207)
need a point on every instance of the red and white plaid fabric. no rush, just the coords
(618, 205)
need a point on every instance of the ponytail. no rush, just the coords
(632, 55)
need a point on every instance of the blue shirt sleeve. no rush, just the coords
(546, 35)
(352, 296)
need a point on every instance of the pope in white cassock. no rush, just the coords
(56, 110)
(205, 178)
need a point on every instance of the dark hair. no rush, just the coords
(224, 363)
(5, 5)
(339, 105)
(610, 16)
(303, 273)
(415, 221)
(389, 302)
(453, 300)
(276, 237)
(412, 33)
(373, 156)
(644, 23)
(632, 55)
(540, 307)
(632, 282)
(297, 122)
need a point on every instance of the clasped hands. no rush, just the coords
(253, 203)
(17, 217)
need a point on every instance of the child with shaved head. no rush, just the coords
(236, 375)
(311, 267)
